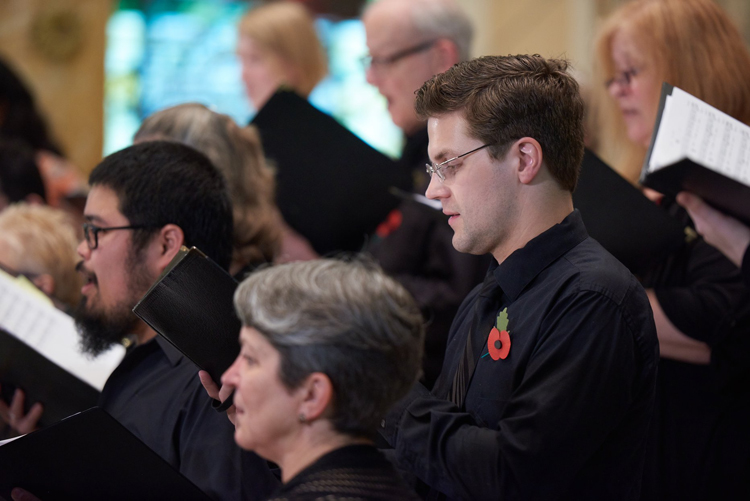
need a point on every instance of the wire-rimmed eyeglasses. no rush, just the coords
(375, 62)
(438, 169)
(91, 232)
(622, 78)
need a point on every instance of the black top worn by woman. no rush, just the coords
(697, 433)
(354, 472)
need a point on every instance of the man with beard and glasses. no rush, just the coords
(145, 202)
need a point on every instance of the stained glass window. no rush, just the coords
(162, 53)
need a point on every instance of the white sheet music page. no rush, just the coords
(692, 129)
(52, 333)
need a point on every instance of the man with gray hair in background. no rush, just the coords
(410, 41)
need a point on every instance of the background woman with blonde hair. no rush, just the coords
(700, 446)
(278, 46)
(40, 243)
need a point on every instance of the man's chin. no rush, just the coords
(101, 330)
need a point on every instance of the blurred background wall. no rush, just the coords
(97, 67)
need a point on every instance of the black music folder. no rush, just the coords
(191, 305)
(90, 456)
(61, 393)
(697, 148)
(332, 187)
(616, 214)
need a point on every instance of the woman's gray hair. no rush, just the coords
(346, 319)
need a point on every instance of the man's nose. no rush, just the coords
(436, 190)
(371, 76)
(83, 249)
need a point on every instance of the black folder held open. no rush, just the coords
(60, 392)
(616, 214)
(697, 148)
(332, 187)
(90, 456)
(191, 305)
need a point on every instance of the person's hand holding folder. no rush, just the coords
(218, 394)
(13, 414)
(19, 494)
(724, 232)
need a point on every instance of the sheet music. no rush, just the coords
(52, 333)
(692, 129)
(3, 442)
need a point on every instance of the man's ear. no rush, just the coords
(317, 396)
(529, 154)
(34, 199)
(445, 55)
(45, 283)
(167, 244)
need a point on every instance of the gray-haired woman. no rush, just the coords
(327, 347)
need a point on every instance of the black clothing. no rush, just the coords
(156, 394)
(331, 187)
(352, 473)
(565, 415)
(699, 436)
(418, 252)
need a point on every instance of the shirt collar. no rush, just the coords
(173, 354)
(524, 264)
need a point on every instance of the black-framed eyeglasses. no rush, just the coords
(439, 168)
(622, 78)
(374, 62)
(91, 232)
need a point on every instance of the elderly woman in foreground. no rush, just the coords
(327, 347)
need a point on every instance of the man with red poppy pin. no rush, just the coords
(562, 411)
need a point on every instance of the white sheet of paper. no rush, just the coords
(692, 129)
(3, 442)
(51, 333)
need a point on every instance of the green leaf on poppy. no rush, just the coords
(502, 320)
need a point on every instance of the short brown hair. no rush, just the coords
(505, 98)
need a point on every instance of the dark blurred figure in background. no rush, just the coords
(20, 180)
(20, 119)
(410, 41)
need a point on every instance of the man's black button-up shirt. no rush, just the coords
(565, 414)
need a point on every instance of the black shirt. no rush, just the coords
(156, 394)
(354, 472)
(565, 415)
(699, 435)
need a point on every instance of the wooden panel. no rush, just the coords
(58, 48)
